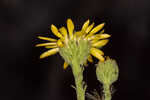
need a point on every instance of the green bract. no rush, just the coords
(76, 50)
(107, 71)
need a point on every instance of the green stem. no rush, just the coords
(107, 93)
(78, 75)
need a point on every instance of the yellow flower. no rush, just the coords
(88, 33)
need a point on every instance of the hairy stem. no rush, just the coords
(78, 75)
(106, 91)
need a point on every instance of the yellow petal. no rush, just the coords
(46, 38)
(97, 28)
(59, 43)
(49, 53)
(52, 46)
(45, 44)
(97, 50)
(90, 59)
(78, 33)
(99, 36)
(104, 36)
(85, 25)
(55, 31)
(102, 31)
(94, 41)
(97, 53)
(65, 65)
(63, 30)
(89, 28)
(70, 27)
(100, 43)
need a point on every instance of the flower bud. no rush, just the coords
(107, 71)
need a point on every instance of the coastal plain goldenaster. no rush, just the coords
(88, 33)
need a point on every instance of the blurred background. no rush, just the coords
(24, 77)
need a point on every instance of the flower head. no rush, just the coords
(81, 44)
